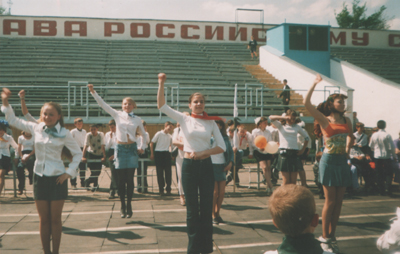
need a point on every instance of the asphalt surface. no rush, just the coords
(92, 224)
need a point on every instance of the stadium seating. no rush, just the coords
(382, 62)
(45, 66)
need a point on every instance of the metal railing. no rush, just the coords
(76, 95)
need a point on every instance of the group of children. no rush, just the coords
(207, 155)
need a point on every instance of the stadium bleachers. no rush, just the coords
(46, 65)
(382, 62)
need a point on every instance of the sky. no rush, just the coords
(275, 12)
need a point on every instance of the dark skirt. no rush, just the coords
(219, 173)
(5, 162)
(45, 188)
(334, 170)
(289, 161)
(262, 156)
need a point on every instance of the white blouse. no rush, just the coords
(5, 146)
(246, 141)
(197, 132)
(126, 125)
(288, 135)
(48, 148)
(27, 144)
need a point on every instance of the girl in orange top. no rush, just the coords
(334, 172)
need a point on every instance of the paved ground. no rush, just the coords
(91, 222)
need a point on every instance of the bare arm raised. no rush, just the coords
(160, 95)
(321, 119)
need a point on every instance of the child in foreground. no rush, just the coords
(292, 208)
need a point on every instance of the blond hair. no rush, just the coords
(292, 208)
(131, 101)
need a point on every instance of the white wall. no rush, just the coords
(374, 99)
(300, 78)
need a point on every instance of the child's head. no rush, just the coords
(221, 126)
(381, 124)
(51, 113)
(78, 122)
(112, 126)
(292, 208)
(128, 104)
(94, 128)
(168, 126)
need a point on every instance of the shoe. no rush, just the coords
(215, 221)
(74, 186)
(168, 193)
(325, 244)
(122, 212)
(129, 213)
(112, 195)
(269, 191)
(321, 196)
(20, 192)
(219, 219)
(183, 202)
(334, 245)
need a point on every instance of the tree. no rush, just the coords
(3, 11)
(358, 19)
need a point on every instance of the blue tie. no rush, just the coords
(131, 114)
(53, 132)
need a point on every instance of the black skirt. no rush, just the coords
(45, 188)
(289, 161)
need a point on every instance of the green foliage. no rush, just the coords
(3, 11)
(358, 18)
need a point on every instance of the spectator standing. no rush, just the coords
(79, 135)
(285, 94)
(381, 144)
(162, 157)
(26, 152)
(253, 47)
(143, 151)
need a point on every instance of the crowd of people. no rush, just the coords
(208, 155)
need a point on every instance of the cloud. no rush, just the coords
(376, 3)
(394, 24)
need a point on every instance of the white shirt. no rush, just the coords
(79, 136)
(126, 125)
(288, 135)
(363, 141)
(143, 145)
(5, 146)
(27, 144)
(276, 252)
(382, 145)
(110, 142)
(197, 132)
(163, 140)
(48, 148)
(258, 132)
(389, 242)
(246, 141)
(301, 140)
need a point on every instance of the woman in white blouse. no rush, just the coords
(197, 168)
(5, 161)
(50, 185)
(126, 152)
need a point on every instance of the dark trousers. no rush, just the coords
(384, 171)
(163, 168)
(82, 174)
(95, 170)
(198, 178)
(364, 169)
(113, 183)
(139, 173)
(125, 185)
(21, 170)
(284, 102)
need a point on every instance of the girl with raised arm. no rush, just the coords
(197, 168)
(334, 172)
(49, 181)
(126, 152)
